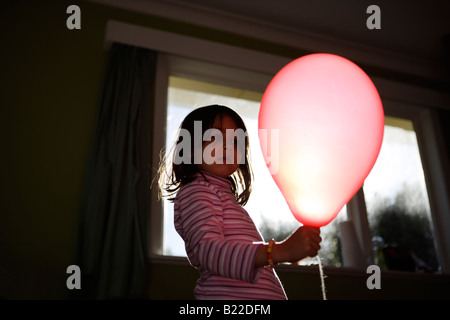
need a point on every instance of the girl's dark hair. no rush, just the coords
(172, 176)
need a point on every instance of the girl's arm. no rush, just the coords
(304, 242)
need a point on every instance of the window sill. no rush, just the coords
(314, 269)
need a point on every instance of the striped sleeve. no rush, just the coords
(200, 224)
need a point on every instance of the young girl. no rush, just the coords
(221, 239)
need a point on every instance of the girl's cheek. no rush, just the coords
(211, 152)
(239, 156)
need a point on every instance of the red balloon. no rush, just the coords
(321, 127)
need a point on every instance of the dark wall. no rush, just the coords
(305, 285)
(51, 80)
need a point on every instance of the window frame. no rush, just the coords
(186, 56)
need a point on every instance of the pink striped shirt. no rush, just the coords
(221, 241)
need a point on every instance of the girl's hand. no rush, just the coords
(304, 242)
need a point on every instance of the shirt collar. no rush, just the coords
(213, 179)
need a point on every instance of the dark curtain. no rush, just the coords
(115, 208)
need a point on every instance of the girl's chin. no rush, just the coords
(221, 170)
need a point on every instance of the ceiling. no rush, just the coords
(410, 29)
(407, 26)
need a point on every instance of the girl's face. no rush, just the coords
(230, 151)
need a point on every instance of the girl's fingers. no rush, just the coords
(311, 230)
(313, 233)
(315, 246)
(314, 237)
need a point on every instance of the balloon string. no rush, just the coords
(322, 278)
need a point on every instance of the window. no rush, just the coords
(397, 203)
(251, 71)
(395, 191)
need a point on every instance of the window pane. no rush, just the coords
(397, 203)
(266, 205)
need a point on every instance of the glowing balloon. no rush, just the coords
(329, 120)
